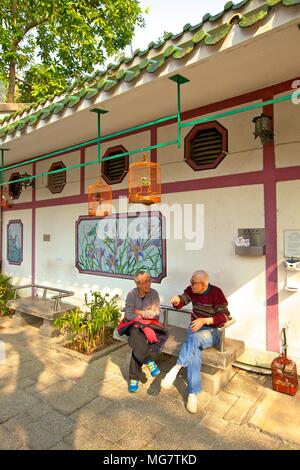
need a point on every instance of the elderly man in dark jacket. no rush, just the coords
(142, 310)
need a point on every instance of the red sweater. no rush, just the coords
(212, 303)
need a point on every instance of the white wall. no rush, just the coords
(244, 153)
(225, 210)
(21, 273)
(72, 186)
(288, 196)
(287, 133)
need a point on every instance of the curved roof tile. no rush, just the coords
(104, 80)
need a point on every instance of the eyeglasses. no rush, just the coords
(197, 282)
(144, 282)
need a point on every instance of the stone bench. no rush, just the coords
(48, 309)
(217, 362)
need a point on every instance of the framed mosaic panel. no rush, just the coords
(15, 242)
(121, 245)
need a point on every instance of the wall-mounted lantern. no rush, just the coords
(264, 128)
(28, 182)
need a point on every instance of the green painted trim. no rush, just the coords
(273, 3)
(132, 74)
(73, 101)
(238, 110)
(144, 63)
(254, 16)
(109, 84)
(196, 27)
(186, 49)
(290, 3)
(170, 50)
(199, 36)
(156, 64)
(217, 34)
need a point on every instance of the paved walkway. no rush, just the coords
(51, 400)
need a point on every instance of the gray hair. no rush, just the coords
(138, 274)
(201, 273)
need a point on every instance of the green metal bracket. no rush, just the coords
(99, 112)
(180, 80)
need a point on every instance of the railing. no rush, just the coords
(166, 308)
(57, 298)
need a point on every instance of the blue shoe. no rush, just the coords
(133, 386)
(154, 370)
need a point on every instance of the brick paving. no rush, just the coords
(50, 399)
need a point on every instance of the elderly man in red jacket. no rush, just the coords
(209, 311)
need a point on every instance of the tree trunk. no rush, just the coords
(11, 82)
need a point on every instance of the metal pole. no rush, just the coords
(92, 141)
(178, 116)
(78, 165)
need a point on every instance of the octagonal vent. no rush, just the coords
(206, 145)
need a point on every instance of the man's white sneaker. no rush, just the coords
(169, 378)
(192, 403)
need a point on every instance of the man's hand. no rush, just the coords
(175, 300)
(150, 314)
(199, 322)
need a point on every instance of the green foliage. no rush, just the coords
(87, 331)
(6, 293)
(65, 38)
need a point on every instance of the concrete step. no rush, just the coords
(214, 379)
(233, 348)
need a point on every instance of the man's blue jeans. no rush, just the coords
(190, 355)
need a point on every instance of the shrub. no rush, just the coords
(88, 331)
(6, 293)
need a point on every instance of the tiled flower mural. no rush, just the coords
(121, 245)
(15, 242)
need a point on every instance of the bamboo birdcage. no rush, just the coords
(6, 200)
(144, 183)
(284, 372)
(99, 199)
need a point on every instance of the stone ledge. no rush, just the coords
(92, 357)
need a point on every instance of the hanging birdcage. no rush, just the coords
(6, 199)
(144, 183)
(99, 199)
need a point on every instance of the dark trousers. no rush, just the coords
(140, 352)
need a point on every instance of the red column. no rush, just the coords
(272, 320)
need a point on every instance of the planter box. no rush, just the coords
(94, 356)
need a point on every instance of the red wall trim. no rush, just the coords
(33, 230)
(287, 174)
(272, 313)
(240, 179)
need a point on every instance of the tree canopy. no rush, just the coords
(46, 44)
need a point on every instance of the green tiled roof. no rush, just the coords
(149, 60)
